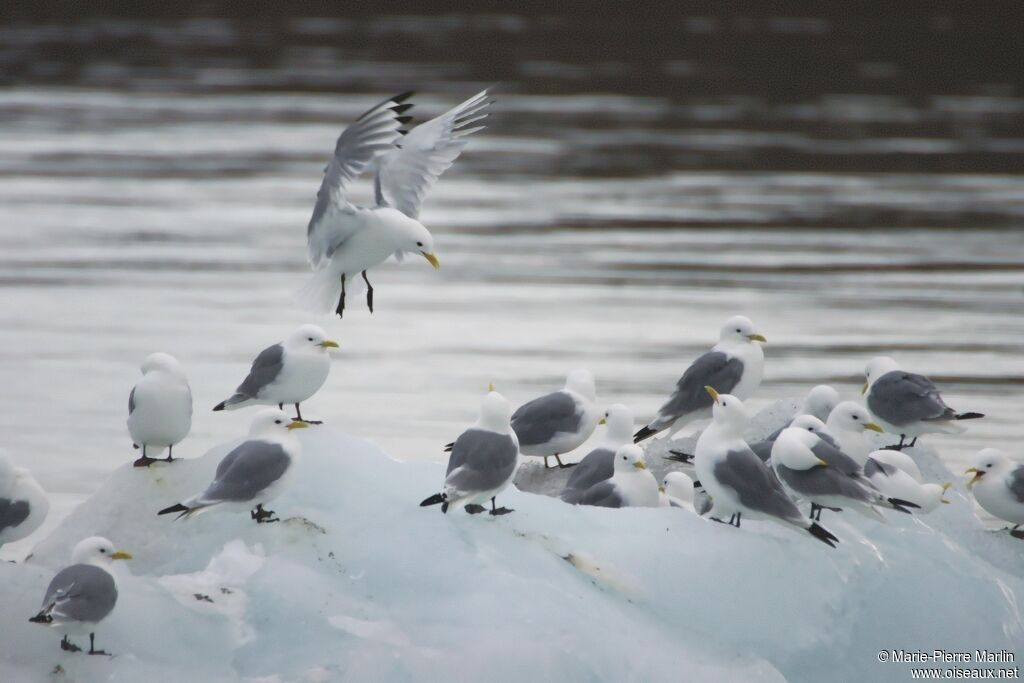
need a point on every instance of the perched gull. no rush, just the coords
(483, 460)
(908, 404)
(631, 485)
(159, 408)
(254, 473)
(346, 240)
(849, 425)
(816, 471)
(998, 486)
(737, 480)
(558, 422)
(598, 464)
(677, 491)
(898, 483)
(23, 503)
(734, 365)
(82, 595)
(288, 372)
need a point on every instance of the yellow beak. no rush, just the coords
(329, 344)
(822, 462)
(603, 421)
(661, 489)
(873, 427)
(757, 337)
(640, 465)
(978, 474)
(297, 424)
(945, 487)
(121, 555)
(864, 389)
(433, 259)
(490, 388)
(711, 392)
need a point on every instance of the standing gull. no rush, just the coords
(734, 365)
(288, 372)
(558, 422)
(159, 408)
(483, 460)
(82, 595)
(738, 482)
(631, 485)
(598, 464)
(815, 470)
(23, 503)
(908, 404)
(998, 486)
(254, 473)
(850, 425)
(346, 240)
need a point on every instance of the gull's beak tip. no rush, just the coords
(432, 259)
(711, 392)
(873, 427)
(757, 337)
(121, 555)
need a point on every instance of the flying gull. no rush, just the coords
(346, 240)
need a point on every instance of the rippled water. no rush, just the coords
(613, 231)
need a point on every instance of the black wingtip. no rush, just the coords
(219, 406)
(444, 507)
(969, 416)
(402, 97)
(402, 108)
(822, 534)
(679, 456)
(177, 507)
(432, 500)
(449, 446)
(403, 119)
(41, 618)
(902, 505)
(643, 433)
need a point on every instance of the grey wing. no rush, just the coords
(756, 486)
(826, 481)
(487, 460)
(598, 465)
(1016, 483)
(264, 371)
(131, 401)
(80, 592)
(408, 171)
(246, 471)
(372, 134)
(12, 512)
(714, 369)
(539, 420)
(836, 459)
(903, 398)
(603, 494)
(763, 449)
(873, 467)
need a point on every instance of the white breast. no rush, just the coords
(163, 411)
(302, 376)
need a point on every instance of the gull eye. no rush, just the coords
(277, 422)
(739, 330)
(419, 244)
(103, 550)
(855, 417)
(310, 339)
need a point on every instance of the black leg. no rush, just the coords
(815, 510)
(280, 406)
(263, 516)
(68, 646)
(499, 511)
(912, 443)
(562, 465)
(340, 310)
(369, 292)
(546, 465)
(145, 460)
(739, 515)
(475, 509)
(170, 454)
(92, 646)
(298, 416)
